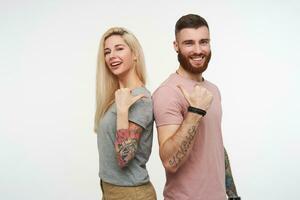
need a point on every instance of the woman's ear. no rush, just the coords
(134, 58)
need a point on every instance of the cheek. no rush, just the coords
(106, 59)
(186, 51)
(128, 64)
(128, 59)
(207, 49)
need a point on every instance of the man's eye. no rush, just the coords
(204, 42)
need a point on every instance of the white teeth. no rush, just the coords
(198, 58)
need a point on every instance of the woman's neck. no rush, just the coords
(131, 81)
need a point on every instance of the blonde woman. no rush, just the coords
(124, 118)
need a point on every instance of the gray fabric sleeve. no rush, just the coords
(141, 112)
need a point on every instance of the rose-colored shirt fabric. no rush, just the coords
(202, 176)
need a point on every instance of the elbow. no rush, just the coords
(121, 159)
(169, 167)
(122, 165)
(124, 160)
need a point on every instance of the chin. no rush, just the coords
(119, 73)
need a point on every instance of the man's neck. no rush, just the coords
(189, 75)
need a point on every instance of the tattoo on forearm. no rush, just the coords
(126, 144)
(184, 147)
(230, 186)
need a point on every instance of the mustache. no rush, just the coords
(198, 54)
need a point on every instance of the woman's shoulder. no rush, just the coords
(141, 90)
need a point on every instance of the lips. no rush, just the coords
(115, 64)
(197, 59)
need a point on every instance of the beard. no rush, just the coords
(185, 63)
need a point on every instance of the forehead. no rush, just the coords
(193, 34)
(113, 40)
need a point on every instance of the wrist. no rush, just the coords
(122, 119)
(198, 111)
(193, 118)
(122, 111)
(234, 198)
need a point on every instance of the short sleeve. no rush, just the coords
(167, 106)
(141, 112)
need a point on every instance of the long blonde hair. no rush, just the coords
(106, 82)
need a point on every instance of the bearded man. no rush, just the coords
(187, 111)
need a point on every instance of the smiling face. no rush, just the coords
(118, 56)
(193, 49)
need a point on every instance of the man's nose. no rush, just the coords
(197, 49)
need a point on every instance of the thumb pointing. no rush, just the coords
(184, 92)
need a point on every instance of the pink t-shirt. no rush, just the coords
(202, 176)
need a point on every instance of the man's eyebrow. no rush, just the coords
(187, 41)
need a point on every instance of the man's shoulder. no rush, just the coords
(169, 86)
(211, 84)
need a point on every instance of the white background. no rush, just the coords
(48, 53)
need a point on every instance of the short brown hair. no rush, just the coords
(190, 21)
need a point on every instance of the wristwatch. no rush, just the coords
(234, 198)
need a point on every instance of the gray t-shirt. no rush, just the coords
(135, 173)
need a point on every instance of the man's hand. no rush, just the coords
(199, 98)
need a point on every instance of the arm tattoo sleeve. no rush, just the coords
(184, 146)
(230, 186)
(126, 144)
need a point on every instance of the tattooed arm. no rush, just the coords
(126, 143)
(176, 141)
(230, 186)
(128, 133)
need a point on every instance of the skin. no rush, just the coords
(121, 61)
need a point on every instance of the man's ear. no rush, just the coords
(175, 44)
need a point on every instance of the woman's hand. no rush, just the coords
(124, 99)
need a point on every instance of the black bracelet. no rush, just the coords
(234, 198)
(196, 110)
